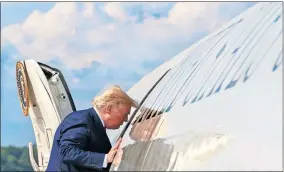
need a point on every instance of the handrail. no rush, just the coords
(32, 159)
(139, 106)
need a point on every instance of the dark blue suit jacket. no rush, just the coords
(80, 143)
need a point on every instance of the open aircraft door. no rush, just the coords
(45, 98)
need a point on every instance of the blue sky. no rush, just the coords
(96, 44)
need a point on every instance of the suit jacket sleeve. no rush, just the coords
(74, 137)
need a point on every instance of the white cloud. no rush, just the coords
(115, 10)
(79, 36)
(195, 15)
(88, 9)
(76, 80)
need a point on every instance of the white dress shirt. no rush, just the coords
(105, 160)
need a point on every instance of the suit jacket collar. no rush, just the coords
(97, 112)
(99, 125)
(96, 118)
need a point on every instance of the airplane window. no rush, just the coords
(141, 103)
(147, 113)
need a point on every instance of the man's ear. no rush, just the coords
(108, 109)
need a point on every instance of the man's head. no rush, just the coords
(114, 106)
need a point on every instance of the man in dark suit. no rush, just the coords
(80, 141)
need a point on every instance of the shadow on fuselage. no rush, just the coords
(146, 153)
(149, 155)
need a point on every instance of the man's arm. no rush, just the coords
(74, 136)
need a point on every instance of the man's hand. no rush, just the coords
(112, 152)
(118, 157)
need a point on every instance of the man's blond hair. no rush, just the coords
(112, 96)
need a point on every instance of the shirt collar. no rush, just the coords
(99, 116)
